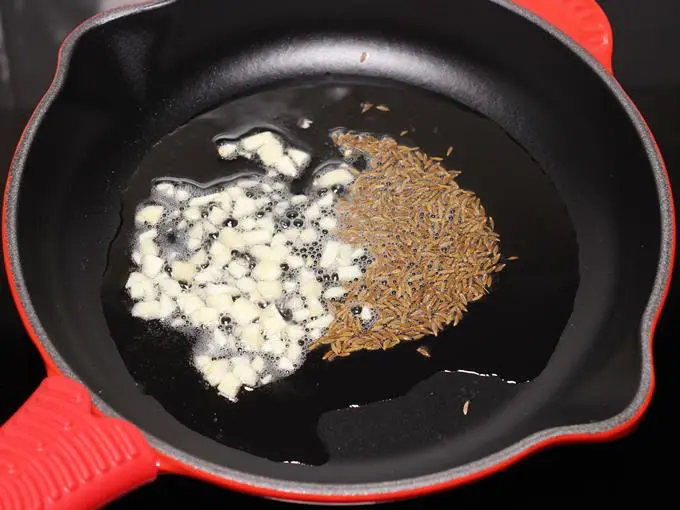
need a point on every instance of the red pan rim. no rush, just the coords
(172, 460)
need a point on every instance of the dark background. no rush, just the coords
(646, 62)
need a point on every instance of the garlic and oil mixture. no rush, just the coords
(244, 267)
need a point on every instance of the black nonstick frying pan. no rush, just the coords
(559, 352)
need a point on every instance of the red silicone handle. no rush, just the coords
(55, 454)
(582, 20)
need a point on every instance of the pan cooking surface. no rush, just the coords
(398, 399)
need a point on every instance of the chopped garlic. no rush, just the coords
(149, 234)
(337, 177)
(334, 293)
(217, 216)
(196, 232)
(274, 346)
(300, 158)
(251, 337)
(308, 235)
(322, 322)
(348, 273)
(254, 142)
(257, 237)
(292, 235)
(366, 314)
(229, 386)
(146, 310)
(295, 261)
(227, 150)
(328, 223)
(149, 215)
(315, 307)
(189, 303)
(330, 253)
(311, 288)
(326, 200)
(246, 285)
(295, 332)
(148, 247)
(315, 334)
(270, 290)
(232, 239)
(140, 286)
(270, 153)
(237, 269)
(204, 200)
(221, 289)
(271, 321)
(286, 166)
(220, 302)
(305, 123)
(217, 282)
(244, 206)
(345, 255)
(358, 252)
(165, 188)
(267, 270)
(219, 338)
(202, 361)
(215, 371)
(258, 364)
(244, 312)
(183, 271)
(194, 243)
(168, 286)
(278, 240)
(199, 258)
(208, 275)
(294, 352)
(192, 213)
(167, 307)
(313, 212)
(246, 375)
(286, 364)
(181, 195)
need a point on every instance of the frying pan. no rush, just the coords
(543, 134)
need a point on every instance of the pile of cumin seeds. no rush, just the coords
(434, 250)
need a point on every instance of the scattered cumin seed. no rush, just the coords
(382, 108)
(365, 107)
(432, 246)
(424, 352)
(513, 257)
(437, 159)
(363, 57)
(466, 407)
(449, 151)
(404, 132)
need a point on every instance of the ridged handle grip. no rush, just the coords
(582, 20)
(55, 454)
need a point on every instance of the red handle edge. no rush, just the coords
(55, 454)
(582, 20)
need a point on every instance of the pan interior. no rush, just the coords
(511, 334)
(558, 168)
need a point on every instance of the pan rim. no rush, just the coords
(177, 461)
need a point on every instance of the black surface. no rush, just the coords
(657, 98)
